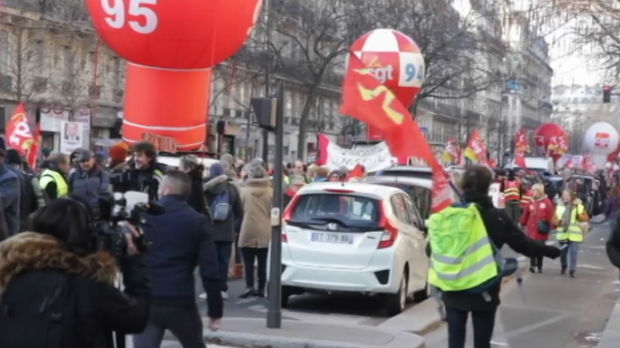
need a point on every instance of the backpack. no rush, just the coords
(220, 205)
(38, 310)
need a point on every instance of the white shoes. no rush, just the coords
(224, 295)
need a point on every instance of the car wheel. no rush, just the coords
(396, 303)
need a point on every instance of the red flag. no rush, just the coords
(366, 99)
(476, 149)
(33, 151)
(521, 143)
(18, 133)
(356, 173)
(520, 159)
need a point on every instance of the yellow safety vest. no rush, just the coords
(462, 254)
(48, 176)
(574, 233)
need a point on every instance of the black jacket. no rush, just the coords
(501, 230)
(613, 246)
(180, 240)
(224, 231)
(197, 198)
(142, 180)
(28, 259)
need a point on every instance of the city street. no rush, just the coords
(551, 310)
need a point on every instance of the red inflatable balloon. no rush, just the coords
(184, 34)
(170, 46)
(396, 61)
(553, 139)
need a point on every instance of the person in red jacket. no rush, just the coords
(536, 219)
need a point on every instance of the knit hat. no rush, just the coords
(119, 152)
(216, 170)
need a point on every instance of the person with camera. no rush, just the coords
(143, 174)
(89, 180)
(57, 289)
(179, 240)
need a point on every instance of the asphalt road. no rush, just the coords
(557, 311)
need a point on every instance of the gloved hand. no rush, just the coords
(552, 252)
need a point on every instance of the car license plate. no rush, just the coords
(334, 238)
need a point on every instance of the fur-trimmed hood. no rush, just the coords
(36, 251)
(216, 185)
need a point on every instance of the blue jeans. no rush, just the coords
(571, 251)
(224, 250)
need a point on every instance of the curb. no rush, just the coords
(245, 340)
(280, 338)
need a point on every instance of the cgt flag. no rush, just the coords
(521, 143)
(366, 99)
(18, 132)
(476, 149)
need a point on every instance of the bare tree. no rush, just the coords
(309, 39)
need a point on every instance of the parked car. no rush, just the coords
(354, 237)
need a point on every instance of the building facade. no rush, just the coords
(55, 64)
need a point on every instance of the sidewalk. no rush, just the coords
(611, 335)
(242, 332)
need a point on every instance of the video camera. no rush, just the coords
(131, 207)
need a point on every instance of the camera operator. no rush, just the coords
(57, 289)
(143, 173)
(179, 240)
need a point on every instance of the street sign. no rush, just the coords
(424, 130)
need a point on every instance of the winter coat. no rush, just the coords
(32, 258)
(613, 246)
(91, 185)
(613, 208)
(9, 193)
(501, 230)
(224, 231)
(256, 195)
(539, 210)
(180, 240)
(4, 230)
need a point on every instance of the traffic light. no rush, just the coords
(607, 93)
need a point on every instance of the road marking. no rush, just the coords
(538, 325)
(258, 308)
(246, 300)
(598, 268)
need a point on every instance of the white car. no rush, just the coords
(354, 237)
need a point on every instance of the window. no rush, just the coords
(69, 60)
(413, 212)
(346, 210)
(398, 205)
(4, 55)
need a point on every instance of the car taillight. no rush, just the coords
(288, 211)
(390, 233)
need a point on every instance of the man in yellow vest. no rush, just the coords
(53, 178)
(464, 242)
(570, 218)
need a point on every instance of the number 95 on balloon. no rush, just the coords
(411, 70)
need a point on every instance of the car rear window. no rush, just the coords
(405, 173)
(345, 210)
